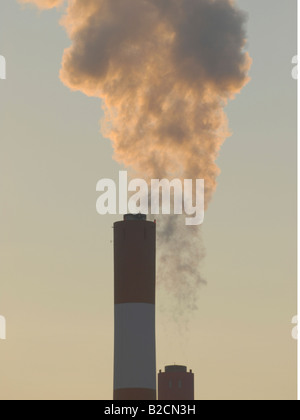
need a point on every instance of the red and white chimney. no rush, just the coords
(134, 283)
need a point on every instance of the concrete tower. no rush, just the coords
(176, 384)
(134, 265)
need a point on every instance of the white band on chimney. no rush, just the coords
(135, 365)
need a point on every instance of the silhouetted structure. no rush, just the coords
(134, 265)
(176, 384)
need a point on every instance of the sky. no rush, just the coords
(56, 271)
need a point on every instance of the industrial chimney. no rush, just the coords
(134, 266)
(176, 384)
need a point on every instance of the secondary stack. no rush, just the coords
(134, 296)
(176, 383)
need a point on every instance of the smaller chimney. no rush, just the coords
(176, 384)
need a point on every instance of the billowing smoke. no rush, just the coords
(44, 4)
(164, 70)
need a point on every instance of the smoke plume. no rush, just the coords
(44, 4)
(164, 69)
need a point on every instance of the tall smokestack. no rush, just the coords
(134, 265)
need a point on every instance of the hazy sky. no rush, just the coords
(56, 270)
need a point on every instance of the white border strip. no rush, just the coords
(298, 188)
